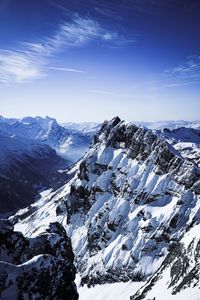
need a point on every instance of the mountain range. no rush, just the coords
(69, 140)
(34, 151)
(130, 205)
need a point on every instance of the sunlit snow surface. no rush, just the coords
(161, 289)
(113, 291)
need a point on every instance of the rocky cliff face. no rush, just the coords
(185, 140)
(36, 268)
(135, 193)
(178, 277)
(132, 197)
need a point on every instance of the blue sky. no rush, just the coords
(90, 60)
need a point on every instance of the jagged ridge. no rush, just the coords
(132, 196)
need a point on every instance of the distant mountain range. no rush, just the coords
(70, 141)
(170, 124)
(34, 151)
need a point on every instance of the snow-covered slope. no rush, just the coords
(80, 137)
(179, 275)
(37, 268)
(70, 143)
(85, 127)
(108, 291)
(132, 197)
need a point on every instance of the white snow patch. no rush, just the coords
(113, 291)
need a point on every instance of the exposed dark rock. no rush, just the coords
(82, 174)
(174, 221)
(39, 268)
(183, 263)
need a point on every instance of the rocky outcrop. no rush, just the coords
(179, 275)
(36, 268)
(185, 140)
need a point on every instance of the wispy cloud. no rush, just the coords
(118, 94)
(19, 67)
(63, 69)
(75, 33)
(30, 61)
(185, 74)
(189, 70)
(102, 92)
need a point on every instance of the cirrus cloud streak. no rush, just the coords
(31, 60)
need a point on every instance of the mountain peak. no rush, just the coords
(115, 121)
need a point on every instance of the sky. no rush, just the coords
(91, 60)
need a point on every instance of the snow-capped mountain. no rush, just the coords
(170, 124)
(185, 140)
(37, 268)
(71, 144)
(85, 127)
(132, 198)
(28, 161)
(40, 129)
(26, 166)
